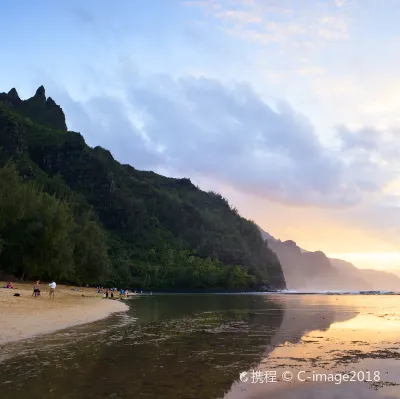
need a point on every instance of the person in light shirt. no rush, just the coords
(52, 286)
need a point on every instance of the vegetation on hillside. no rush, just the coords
(74, 213)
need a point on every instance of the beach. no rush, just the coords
(205, 346)
(25, 316)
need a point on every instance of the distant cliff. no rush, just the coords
(306, 270)
(376, 279)
(161, 232)
(313, 270)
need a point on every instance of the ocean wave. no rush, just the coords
(335, 292)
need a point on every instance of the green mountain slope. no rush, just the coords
(160, 232)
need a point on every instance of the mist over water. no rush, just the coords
(307, 271)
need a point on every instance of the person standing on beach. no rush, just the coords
(36, 289)
(53, 286)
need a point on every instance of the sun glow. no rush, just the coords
(374, 260)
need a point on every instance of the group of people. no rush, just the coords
(109, 292)
(36, 289)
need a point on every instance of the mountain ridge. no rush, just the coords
(161, 232)
(316, 271)
(37, 108)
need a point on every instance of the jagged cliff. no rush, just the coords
(37, 108)
(156, 225)
(305, 270)
(312, 270)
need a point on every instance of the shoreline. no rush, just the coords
(26, 317)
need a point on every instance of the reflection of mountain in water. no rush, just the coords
(302, 315)
(300, 319)
(191, 346)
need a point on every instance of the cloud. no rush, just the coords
(201, 127)
(106, 121)
(270, 21)
(332, 28)
(340, 3)
(382, 145)
(362, 139)
(206, 4)
(83, 16)
(271, 33)
(240, 17)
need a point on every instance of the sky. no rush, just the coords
(290, 109)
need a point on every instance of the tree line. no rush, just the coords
(42, 236)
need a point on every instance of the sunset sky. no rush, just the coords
(290, 109)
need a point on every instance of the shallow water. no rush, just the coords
(196, 346)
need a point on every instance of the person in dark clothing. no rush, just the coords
(36, 289)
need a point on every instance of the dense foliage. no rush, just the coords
(81, 216)
(42, 236)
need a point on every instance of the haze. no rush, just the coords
(290, 109)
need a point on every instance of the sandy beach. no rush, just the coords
(25, 316)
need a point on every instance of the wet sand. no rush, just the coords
(26, 316)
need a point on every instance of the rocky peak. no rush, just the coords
(51, 103)
(40, 94)
(289, 248)
(46, 112)
(11, 98)
(185, 182)
(37, 108)
(55, 114)
(13, 94)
